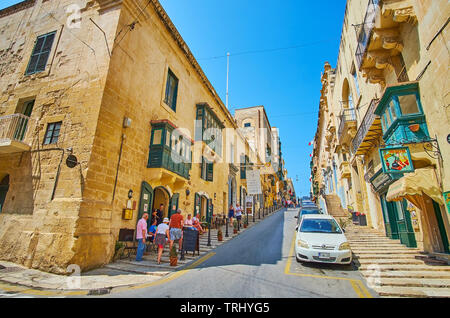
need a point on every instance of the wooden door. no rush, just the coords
(145, 201)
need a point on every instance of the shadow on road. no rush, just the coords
(261, 244)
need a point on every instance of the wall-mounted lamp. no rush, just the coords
(187, 192)
(130, 194)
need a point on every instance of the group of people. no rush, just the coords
(163, 230)
(235, 213)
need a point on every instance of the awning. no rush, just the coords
(421, 181)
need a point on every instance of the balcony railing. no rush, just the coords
(347, 115)
(163, 157)
(364, 31)
(366, 123)
(13, 127)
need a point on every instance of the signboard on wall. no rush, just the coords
(447, 200)
(253, 182)
(396, 160)
(249, 205)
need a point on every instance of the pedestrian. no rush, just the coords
(238, 214)
(231, 214)
(176, 225)
(162, 233)
(189, 223)
(196, 224)
(152, 231)
(141, 235)
(160, 214)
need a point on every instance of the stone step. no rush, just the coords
(372, 239)
(404, 267)
(156, 270)
(384, 252)
(415, 282)
(412, 291)
(408, 274)
(398, 261)
(385, 256)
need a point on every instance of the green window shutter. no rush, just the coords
(209, 171)
(40, 54)
(174, 204)
(202, 169)
(197, 204)
(175, 93)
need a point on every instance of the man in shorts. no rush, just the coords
(176, 229)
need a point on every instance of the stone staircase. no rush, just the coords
(334, 206)
(393, 270)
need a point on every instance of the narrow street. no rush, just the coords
(257, 263)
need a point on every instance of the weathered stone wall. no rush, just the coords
(135, 88)
(35, 229)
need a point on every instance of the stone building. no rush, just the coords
(381, 146)
(265, 142)
(104, 115)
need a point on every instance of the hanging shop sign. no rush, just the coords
(396, 160)
(447, 200)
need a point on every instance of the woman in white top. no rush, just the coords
(162, 232)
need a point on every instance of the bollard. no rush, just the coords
(209, 233)
(226, 227)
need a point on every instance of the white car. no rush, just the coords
(320, 239)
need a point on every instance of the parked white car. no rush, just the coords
(320, 239)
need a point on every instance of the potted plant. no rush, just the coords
(118, 251)
(219, 235)
(245, 222)
(173, 255)
(235, 224)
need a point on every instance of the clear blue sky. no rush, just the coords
(286, 82)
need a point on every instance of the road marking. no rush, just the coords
(357, 285)
(166, 279)
(36, 292)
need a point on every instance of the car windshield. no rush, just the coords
(304, 212)
(320, 226)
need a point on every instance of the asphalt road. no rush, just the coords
(259, 263)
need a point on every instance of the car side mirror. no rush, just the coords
(296, 228)
(343, 230)
(296, 216)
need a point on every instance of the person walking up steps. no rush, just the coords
(162, 232)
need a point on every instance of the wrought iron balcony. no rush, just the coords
(13, 129)
(347, 115)
(364, 31)
(369, 130)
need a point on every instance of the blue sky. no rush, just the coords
(285, 81)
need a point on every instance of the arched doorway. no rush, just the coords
(161, 196)
(203, 206)
(4, 186)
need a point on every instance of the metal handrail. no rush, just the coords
(363, 36)
(13, 127)
(367, 121)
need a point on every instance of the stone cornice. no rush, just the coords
(17, 7)
(162, 14)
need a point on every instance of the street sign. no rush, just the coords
(253, 182)
(249, 205)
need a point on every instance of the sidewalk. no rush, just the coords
(121, 273)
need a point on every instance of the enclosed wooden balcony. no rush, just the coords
(13, 129)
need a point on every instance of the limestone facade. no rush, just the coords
(388, 49)
(108, 86)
